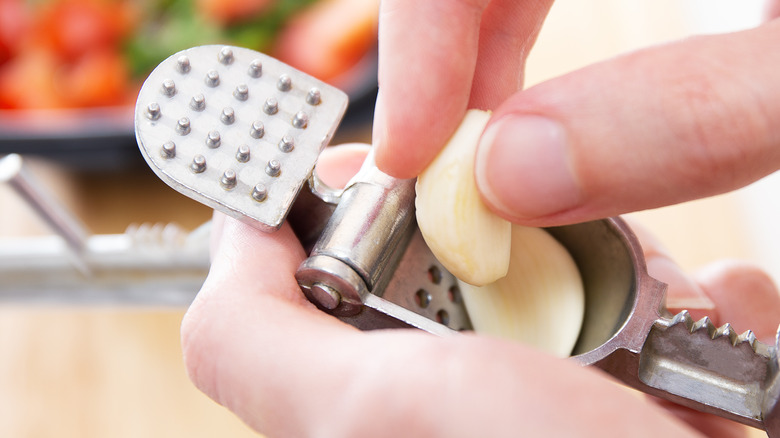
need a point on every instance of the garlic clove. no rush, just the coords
(465, 236)
(541, 300)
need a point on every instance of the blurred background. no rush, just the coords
(69, 71)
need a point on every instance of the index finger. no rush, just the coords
(427, 54)
(438, 58)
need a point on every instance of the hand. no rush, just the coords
(655, 127)
(255, 345)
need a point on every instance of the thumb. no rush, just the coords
(652, 128)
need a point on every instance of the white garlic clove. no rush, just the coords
(464, 235)
(541, 300)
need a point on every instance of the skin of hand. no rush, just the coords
(654, 127)
(254, 344)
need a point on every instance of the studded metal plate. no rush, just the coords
(235, 129)
(421, 284)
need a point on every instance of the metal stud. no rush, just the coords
(225, 56)
(198, 102)
(314, 97)
(259, 193)
(183, 126)
(284, 83)
(198, 164)
(228, 180)
(274, 168)
(286, 144)
(213, 140)
(183, 64)
(241, 92)
(257, 130)
(212, 78)
(168, 149)
(153, 111)
(271, 106)
(242, 154)
(300, 120)
(255, 68)
(228, 116)
(168, 87)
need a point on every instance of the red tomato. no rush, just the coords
(73, 28)
(15, 20)
(98, 78)
(330, 37)
(28, 81)
(231, 11)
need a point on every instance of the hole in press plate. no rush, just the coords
(423, 298)
(453, 294)
(443, 317)
(434, 274)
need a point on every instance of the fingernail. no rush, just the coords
(523, 169)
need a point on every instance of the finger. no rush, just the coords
(428, 53)
(508, 31)
(248, 308)
(682, 292)
(337, 165)
(215, 233)
(656, 127)
(746, 296)
(772, 9)
(707, 425)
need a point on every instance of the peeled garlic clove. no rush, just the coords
(541, 300)
(467, 238)
(531, 290)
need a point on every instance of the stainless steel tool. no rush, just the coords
(241, 132)
(157, 265)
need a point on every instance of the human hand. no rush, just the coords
(655, 127)
(255, 345)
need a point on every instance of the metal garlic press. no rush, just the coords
(241, 132)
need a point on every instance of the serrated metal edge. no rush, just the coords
(726, 331)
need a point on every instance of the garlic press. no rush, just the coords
(241, 132)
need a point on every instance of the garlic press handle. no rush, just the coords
(628, 333)
(713, 370)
